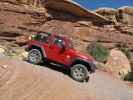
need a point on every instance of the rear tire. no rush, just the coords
(35, 56)
(79, 72)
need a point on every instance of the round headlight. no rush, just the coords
(32, 37)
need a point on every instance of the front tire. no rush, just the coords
(79, 72)
(35, 56)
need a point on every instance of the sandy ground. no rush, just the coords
(22, 81)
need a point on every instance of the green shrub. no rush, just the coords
(124, 48)
(130, 33)
(99, 52)
(126, 52)
(129, 77)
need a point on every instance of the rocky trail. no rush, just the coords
(22, 81)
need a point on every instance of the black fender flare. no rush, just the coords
(38, 47)
(89, 64)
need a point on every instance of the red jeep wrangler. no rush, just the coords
(59, 49)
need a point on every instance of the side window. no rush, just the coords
(58, 41)
(42, 37)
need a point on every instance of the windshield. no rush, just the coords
(70, 44)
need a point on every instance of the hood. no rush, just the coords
(80, 55)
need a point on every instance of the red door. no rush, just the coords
(56, 52)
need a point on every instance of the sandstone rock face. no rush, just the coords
(120, 15)
(118, 63)
(125, 15)
(34, 3)
(109, 13)
(75, 9)
(23, 39)
(18, 19)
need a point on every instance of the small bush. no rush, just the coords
(129, 77)
(99, 52)
(124, 48)
(126, 52)
(130, 33)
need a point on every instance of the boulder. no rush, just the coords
(101, 66)
(2, 50)
(24, 55)
(118, 63)
(23, 39)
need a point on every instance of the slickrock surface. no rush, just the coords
(22, 81)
